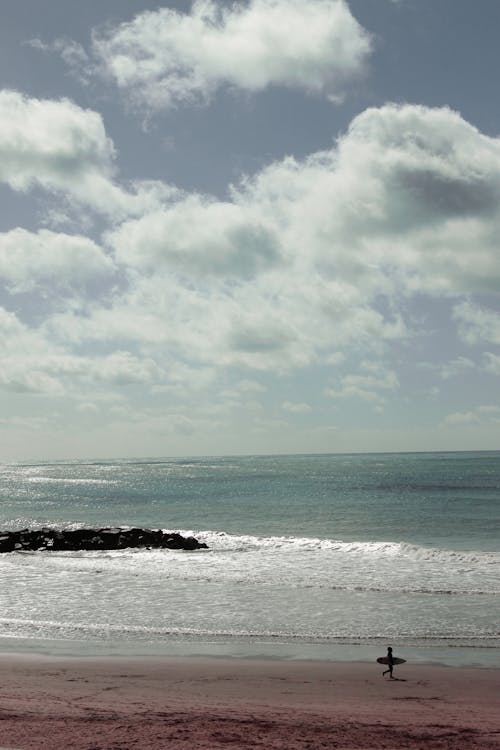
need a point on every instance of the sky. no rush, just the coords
(267, 226)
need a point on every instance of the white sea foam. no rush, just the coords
(292, 564)
(221, 541)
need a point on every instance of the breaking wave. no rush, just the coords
(220, 541)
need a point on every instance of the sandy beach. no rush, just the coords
(117, 703)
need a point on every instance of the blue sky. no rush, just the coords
(257, 227)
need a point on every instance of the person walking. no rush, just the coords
(390, 663)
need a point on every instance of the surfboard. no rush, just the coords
(395, 660)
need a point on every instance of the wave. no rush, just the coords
(377, 565)
(221, 541)
(68, 480)
(414, 590)
(21, 628)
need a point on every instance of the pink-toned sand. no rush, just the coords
(116, 703)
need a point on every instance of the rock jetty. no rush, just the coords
(47, 539)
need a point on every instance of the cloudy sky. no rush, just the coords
(267, 226)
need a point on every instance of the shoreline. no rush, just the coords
(179, 702)
(273, 649)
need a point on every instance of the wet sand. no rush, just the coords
(119, 703)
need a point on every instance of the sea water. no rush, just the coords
(310, 556)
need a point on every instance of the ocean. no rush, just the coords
(310, 556)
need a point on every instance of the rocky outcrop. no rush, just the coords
(47, 539)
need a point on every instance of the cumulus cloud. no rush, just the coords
(63, 148)
(292, 268)
(302, 263)
(14, 378)
(408, 195)
(163, 58)
(35, 363)
(32, 259)
(51, 370)
(123, 368)
(273, 323)
(19, 344)
(53, 143)
(367, 386)
(430, 197)
(198, 236)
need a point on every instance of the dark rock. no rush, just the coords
(6, 542)
(191, 543)
(108, 538)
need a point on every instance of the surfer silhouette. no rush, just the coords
(390, 662)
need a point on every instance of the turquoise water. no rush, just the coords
(307, 555)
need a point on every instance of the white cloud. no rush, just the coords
(304, 263)
(53, 143)
(483, 414)
(33, 362)
(405, 202)
(461, 419)
(22, 351)
(367, 386)
(250, 387)
(456, 367)
(52, 371)
(63, 148)
(477, 324)
(296, 407)
(198, 236)
(122, 368)
(19, 380)
(291, 270)
(73, 54)
(278, 321)
(408, 198)
(10, 326)
(163, 58)
(29, 259)
(492, 363)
